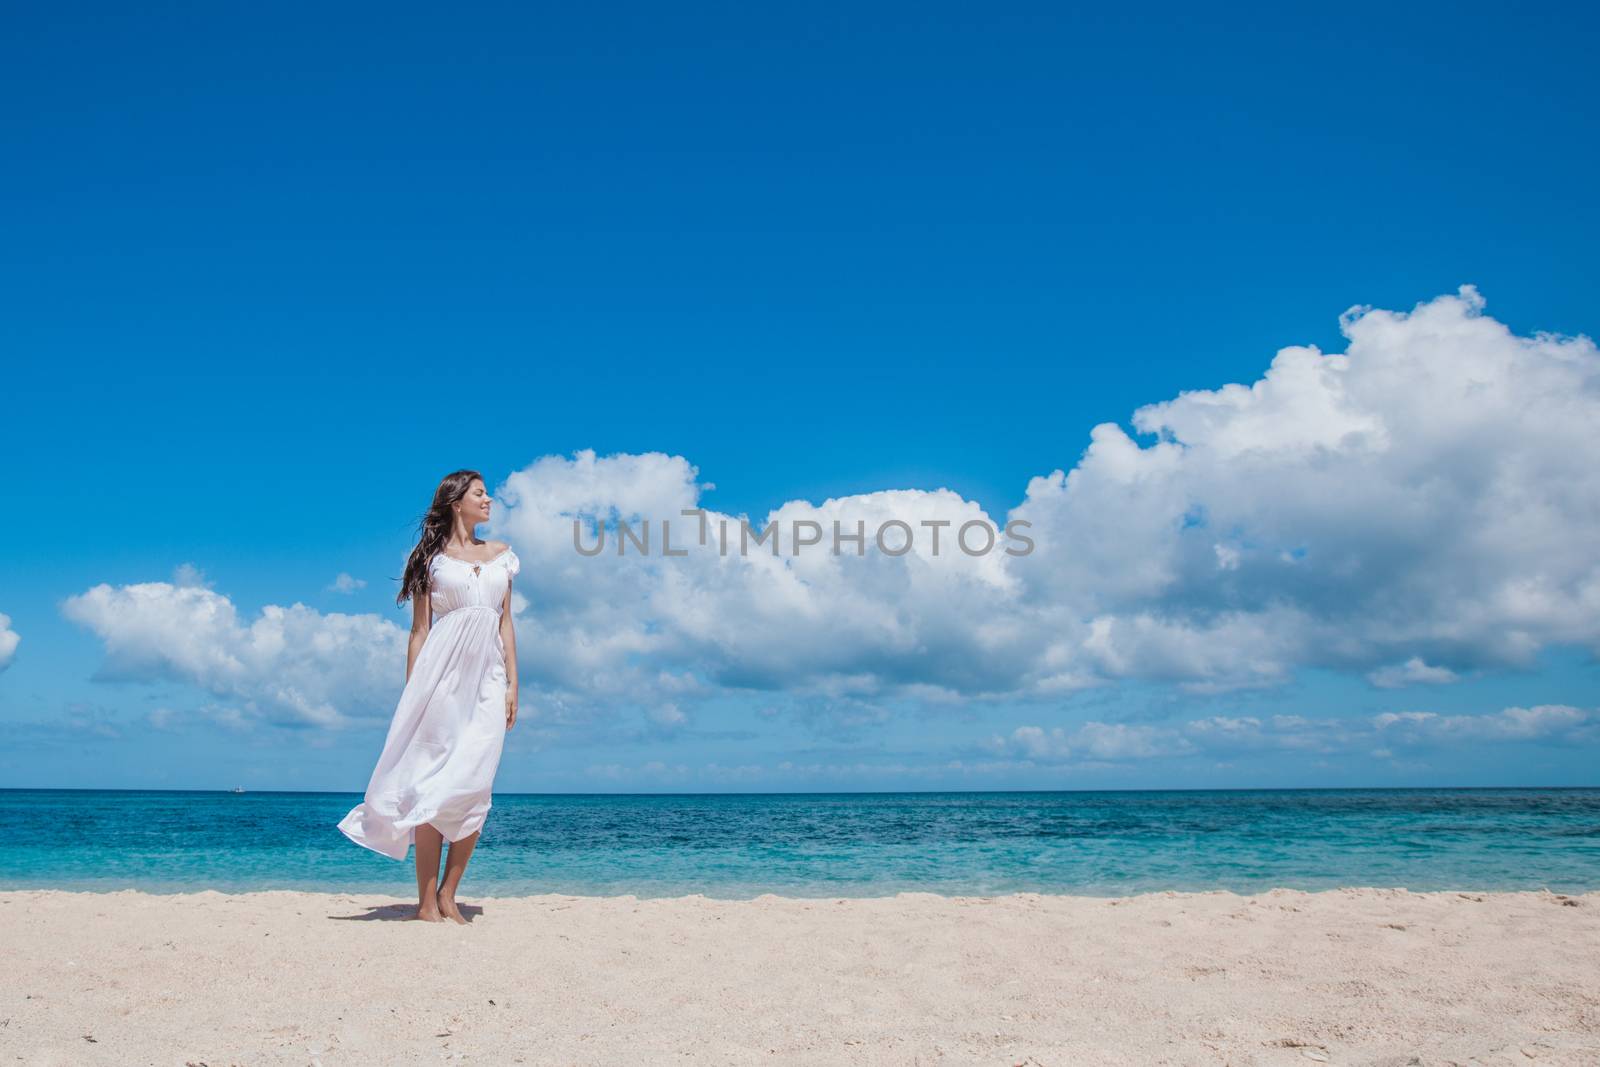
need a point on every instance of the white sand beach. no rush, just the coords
(1362, 976)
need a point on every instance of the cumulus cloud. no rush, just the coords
(1224, 737)
(1412, 672)
(1413, 496)
(1403, 510)
(1408, 501)
(291, 665)
(667, 717)
(1092, 740)
(1545, 722)
(346, 584)
(185, 575)
(9, 640)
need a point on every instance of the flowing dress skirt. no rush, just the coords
(439, 760)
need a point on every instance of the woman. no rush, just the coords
(437, 768)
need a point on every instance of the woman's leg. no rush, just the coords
(429, 842)
(455, 865)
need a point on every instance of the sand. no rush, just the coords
(1361, 976)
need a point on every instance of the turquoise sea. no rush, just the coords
(828, 844)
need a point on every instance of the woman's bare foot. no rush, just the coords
(427, 914)
(448, 909)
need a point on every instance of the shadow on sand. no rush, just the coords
(405, 913)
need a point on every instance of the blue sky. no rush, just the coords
(270, 273)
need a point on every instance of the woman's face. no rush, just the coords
(474, 507)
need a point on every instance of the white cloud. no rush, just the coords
(344, 583)
(9, 640)
(668, 716)
(1403, 510)
(291, 665)
(188, 574)
(1413, 496)
(1034, 742)
(1091, 741)
(1222, 736)
(1542, 723)
(1410, 500)
(1412, 672)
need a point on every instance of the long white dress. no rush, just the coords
(439, 760)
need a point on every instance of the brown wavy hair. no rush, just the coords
(433, 530)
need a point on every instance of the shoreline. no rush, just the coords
(1359, 975)
(1588, 896)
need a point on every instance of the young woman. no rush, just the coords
(437, 768)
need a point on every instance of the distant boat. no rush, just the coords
(238, 789)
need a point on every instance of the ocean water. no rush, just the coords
(828, 844)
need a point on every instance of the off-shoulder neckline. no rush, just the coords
(478, 562)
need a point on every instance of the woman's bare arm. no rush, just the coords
(421, 621)
(508, 636)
